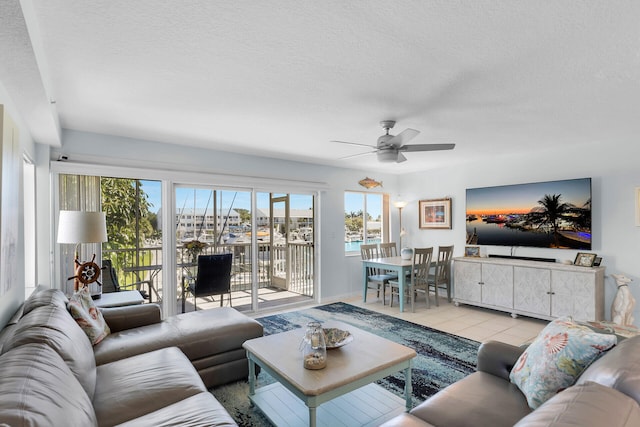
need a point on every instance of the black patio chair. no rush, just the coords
(110, 282)
(213, 278)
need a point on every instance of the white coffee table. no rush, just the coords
(345, 385)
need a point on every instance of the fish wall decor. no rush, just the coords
(369, 183)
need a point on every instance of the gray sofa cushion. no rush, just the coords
(214, 331)
(44, 297)
(198, 334)
(38, 389)
(129, 388)
(588, 404)
(619, 369)
(54, 326)
(479, 397)
(406, 420)
(201, 410)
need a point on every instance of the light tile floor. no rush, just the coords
(476, 323)
(471, 322)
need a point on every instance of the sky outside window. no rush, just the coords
(185, 197)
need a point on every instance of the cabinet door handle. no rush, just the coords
(550, 293)
(480, 283)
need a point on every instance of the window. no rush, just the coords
(366, 219)
(132, 224)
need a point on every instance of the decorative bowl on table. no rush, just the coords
(336, 337)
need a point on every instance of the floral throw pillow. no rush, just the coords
(84, 311)
(556, 358)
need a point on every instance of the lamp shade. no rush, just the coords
(400, 204)
(82, 227)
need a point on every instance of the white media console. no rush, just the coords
(544, 290)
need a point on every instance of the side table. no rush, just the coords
(119, 299)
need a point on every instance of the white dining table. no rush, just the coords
(394, 263)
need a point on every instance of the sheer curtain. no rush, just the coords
(78, 193)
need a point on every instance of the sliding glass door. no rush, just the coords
(208, 221)
(272, 244)
(156, 229)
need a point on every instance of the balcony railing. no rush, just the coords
(275, 270)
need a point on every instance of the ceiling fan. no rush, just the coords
(389, 148)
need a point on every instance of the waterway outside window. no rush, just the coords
(366, 219)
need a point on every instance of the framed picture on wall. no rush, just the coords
(435, 213)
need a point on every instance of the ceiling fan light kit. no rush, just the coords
(387, 156)
(388, 147)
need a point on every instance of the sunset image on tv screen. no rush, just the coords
(554, 214)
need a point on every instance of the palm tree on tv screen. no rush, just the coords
(554, 209)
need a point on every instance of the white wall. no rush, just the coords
(15, 295)
(614, 172)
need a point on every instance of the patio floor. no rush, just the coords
(241, 300)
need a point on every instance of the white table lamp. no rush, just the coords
(79, 227)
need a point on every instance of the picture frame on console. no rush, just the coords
(585, 259)
(472, 251)
(434, 213)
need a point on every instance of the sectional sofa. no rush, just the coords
(147, 372)
(607, 394)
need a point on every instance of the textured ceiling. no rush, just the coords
(284, 78)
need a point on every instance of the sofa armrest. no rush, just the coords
(131, 316)
(497, 358)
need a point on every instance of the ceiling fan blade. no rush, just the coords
(357, 155)
(403, 137)
(401, 158)
(355, 143)
(426, 147)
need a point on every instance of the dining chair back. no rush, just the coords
(369, 251)
(419, 277)
(213, 278)
(376, 279)
(388, 249)
(441, 277)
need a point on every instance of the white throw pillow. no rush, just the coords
(90, 319)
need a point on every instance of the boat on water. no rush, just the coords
(577, 236)
(495, 219)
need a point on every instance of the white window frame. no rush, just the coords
(385, 216)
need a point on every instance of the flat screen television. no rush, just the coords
(553, 214)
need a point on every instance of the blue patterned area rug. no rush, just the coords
(442, 358)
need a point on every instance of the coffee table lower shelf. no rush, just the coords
(370, 405)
